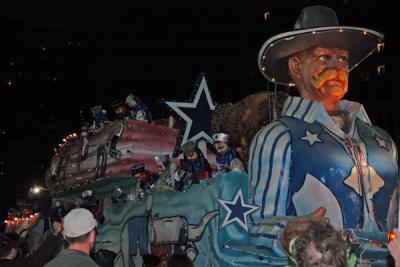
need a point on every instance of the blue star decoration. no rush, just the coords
(237, 210)
(311, 138)
(197, 115)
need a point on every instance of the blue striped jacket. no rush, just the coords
(303, 161)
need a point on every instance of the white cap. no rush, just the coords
(162, 158)
(78, 222)
(87, 193)
(220, 137)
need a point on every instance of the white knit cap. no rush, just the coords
(78, 222)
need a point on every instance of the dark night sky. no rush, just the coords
(58, 58)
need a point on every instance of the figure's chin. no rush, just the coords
(335, 92)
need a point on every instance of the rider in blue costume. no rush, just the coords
(323, 151)
(226, 157)
(193, 167)
(137, 109)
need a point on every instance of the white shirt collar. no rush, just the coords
(311, 111)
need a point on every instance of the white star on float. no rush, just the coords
(237, 210)
(381, 142)
(311, 138)
(196, 114)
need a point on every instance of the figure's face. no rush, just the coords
(323, 73)
(120, 110)
(161, 168)
(221, 147)
(131, 103)
(192, 156)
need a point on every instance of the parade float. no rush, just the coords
(209, 221)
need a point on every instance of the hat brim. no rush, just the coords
(274, 54)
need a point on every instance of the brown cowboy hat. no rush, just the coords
(316, 26)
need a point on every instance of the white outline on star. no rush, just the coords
(176, 107)
(223, 203)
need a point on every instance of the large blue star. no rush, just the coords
(196, 114)
(237, 210)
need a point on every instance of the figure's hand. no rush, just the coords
(57, 228)
(24, 227)
(394, 247)
(299, 225)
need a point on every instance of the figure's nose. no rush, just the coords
(336, 62)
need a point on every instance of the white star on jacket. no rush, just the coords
(311, 138)
(381, 142)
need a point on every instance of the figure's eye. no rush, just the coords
(323, 58)
(343, 59)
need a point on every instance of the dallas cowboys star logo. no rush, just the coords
(311, 138)
(381, 142)
(196, 114)
(237, 210)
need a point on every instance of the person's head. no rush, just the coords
(320, 73)
(221, 142)
(7, 247)
(179, 260)
(320, 245)
(317, 54)
(130, 101)
(120, 109)
(96, 110)
(162, 162)
(139, 172)
(79, 229)
(189, 150)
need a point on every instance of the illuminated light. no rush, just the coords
(313, 32)
(340, 30)
(380, 47)
(380, 70)
(31, 216)
(15, 219)
(36, 190)
(365, 33)
(273, 79)
(70, 135)
(64, 140)
(264, 57)
(5, 221)
(391, 236)
(272, 45)
(74, 134)
(9, 82)
(291, 84)
(263, 68)
(266, 15)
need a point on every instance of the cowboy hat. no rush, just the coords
(316, 26)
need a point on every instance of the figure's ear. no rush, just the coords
(92, 236)
(294, 65)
